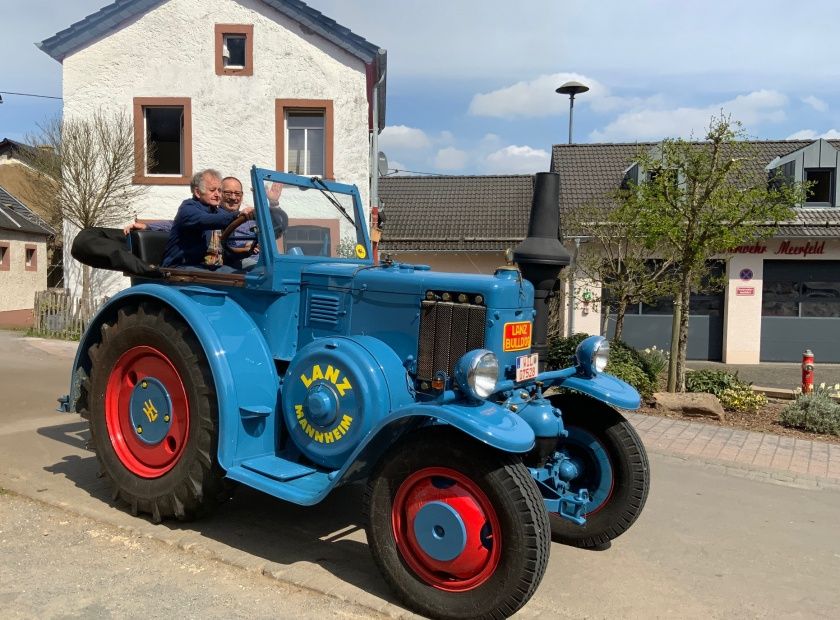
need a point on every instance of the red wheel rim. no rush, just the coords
(478, 560)
(141, 458)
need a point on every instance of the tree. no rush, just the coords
(85, 167)
(701, 199)
(619, 259)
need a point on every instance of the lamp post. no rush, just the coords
(571, 89)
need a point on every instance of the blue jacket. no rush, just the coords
(189, 236)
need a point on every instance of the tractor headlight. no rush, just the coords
(592, 355)
(477, 373)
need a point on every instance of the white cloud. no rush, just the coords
(450, 158)
(810, 134)
(517, 160)
(534, 98)
(651, 124)
(401, 137)
(446, 137)
(815, 102)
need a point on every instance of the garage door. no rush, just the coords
(800, 310)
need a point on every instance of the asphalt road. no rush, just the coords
(708, 545)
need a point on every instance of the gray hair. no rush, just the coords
(197, 182)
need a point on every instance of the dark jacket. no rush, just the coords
(189, 236)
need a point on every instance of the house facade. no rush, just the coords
(781, 295)
(225, 84)
(23, 260)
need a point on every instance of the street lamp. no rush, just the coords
(571, 89)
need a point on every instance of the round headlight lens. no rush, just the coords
(477, 373)
(601, 356)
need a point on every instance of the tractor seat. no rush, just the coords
(149, 245)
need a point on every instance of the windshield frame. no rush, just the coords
(259, 177)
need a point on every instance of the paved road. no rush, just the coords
(709, 544)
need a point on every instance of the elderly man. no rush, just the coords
(196, 217)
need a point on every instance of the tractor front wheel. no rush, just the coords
(458, 530)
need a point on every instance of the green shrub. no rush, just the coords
(561, 350)
(815, 412)
(742, 398)
(634, 375)
(656, 361)
(712, 381)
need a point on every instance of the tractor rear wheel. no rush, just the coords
(153, 415)
(458, 530)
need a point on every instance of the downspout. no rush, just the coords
(374, 166)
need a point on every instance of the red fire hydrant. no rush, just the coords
(807, 371)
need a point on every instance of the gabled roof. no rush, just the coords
(455, 213)
(16, 216)
(108, 18)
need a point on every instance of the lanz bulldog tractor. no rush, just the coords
(315, 368)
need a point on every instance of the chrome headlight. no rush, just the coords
(477, 373)
(592, 355)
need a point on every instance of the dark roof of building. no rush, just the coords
(455, 213)
(591, 173)
(16, 216)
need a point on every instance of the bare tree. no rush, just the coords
(85, 167)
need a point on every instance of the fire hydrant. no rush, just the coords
(807, 371)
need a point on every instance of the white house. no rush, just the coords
(225, 84)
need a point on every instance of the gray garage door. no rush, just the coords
(800, 310)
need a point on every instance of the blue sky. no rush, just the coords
(471, 82)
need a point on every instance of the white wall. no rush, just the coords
(170, 52)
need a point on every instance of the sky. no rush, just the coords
(471, 82)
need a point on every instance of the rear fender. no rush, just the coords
(243, 369)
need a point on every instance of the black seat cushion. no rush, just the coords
(106, 248)
(149, 245)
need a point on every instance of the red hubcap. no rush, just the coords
(478, 557)
(140, 457)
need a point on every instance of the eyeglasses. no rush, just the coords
(236, 194)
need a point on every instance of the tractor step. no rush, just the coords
(278, 468)
(285, 479)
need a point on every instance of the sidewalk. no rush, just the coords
(762, 455)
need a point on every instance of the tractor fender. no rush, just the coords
(240, 361)
(604, 387)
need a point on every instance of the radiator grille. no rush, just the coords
(323, 309)
(447, 331)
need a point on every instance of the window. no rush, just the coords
(162, 140)
(235, 49)
(805, 290)
(304, 137)
(31, 263)
(821, 190)
(5, 255)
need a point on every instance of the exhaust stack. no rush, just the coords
(541, 256)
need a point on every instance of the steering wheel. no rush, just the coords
(244, 251)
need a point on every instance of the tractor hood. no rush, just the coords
(410, 284)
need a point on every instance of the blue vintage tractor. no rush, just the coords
(313, 367)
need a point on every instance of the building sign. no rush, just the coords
(785, 248)
(745, 291)
(746, 275)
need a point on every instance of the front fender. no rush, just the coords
(603, 387)
(243, 369)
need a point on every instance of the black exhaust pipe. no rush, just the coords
(541, 256)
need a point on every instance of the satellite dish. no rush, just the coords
(382, 164)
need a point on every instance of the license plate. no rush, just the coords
(526, 367)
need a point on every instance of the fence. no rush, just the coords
(58, 315)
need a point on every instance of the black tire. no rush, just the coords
(629, 468)
(499, 482)
(192, 483)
